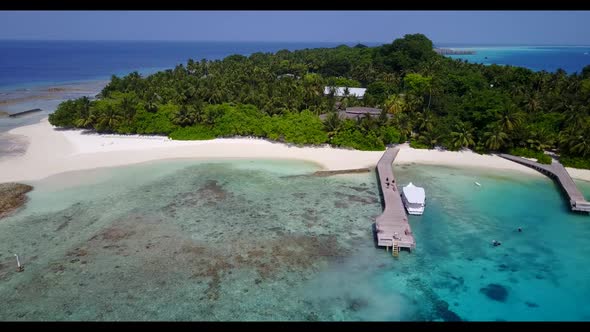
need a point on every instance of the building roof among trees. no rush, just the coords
(357, 112)
(339, 91)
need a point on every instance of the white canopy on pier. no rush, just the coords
(414, 195)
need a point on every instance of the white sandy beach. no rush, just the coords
(53, 151)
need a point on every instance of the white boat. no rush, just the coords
(477, 184)
(414, 199)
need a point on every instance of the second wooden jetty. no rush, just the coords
(23, 113)
(393, 229)
(556, 171)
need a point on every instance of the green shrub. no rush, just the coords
(390, 135)
(65, 115)
(479, 149)
(197, 132)
(524, 152)
(418, 145)
(544, 159)
(528, 153)
(575, 162)
(350, 136)
(300, 128)
(158, 123)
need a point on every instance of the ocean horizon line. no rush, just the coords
(463, 45)
(192, 41)
(435, 44)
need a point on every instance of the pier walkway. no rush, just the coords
(392, 225)
(556, 171)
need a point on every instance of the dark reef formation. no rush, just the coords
(12, 196)
(495, 292)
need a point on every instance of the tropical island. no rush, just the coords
(425, 98)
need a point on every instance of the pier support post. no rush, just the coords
(19, 268)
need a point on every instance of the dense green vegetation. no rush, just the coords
(529, 153)
(433, 100)
(575, 162)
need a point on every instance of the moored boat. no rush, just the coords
(414, 199)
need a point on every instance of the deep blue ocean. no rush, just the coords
(33, 62)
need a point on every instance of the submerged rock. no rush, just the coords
(495, 292)
(357, 304)
(12, 196)
(340, 205)
(440, 307)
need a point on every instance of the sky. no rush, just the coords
(475, 27)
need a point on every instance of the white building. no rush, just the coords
(414, 199)
(340, 91)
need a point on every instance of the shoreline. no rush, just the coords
(51, 152)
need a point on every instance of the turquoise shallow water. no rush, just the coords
(549, 58)
(254, 240)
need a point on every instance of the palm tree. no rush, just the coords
(540, 139)
(430, 138)
(391, 78)
(561, 105)
(209, 115)
(85, 102)
(533, 103)
(495, 138)
(430, 67)
(332, 122)
(403, 124)
(412, 102)
(127, 107)
(575, 117)
(580, 144)
(109, 118)
(509, 117)
(535, 144)
(462, 136)
(84, 120)
(184, 116)
(217, 94)
(425, 120)
(395, 104)
(87, 122)
(367, 123)
(576, 141)
(151, 105)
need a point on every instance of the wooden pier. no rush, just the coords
(556, 171)
(393, 229)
